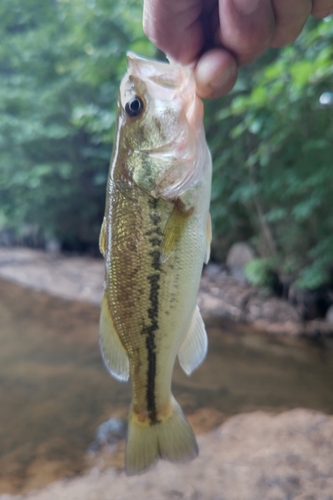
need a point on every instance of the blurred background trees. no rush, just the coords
(61, 63)
(272, 141)
(60, 67)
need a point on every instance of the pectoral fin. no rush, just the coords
(113, 352)
(208, 238)
(174, 230)
(194, 348)
(102, 238)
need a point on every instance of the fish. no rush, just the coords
(155, 238)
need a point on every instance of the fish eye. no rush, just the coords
(134, 107)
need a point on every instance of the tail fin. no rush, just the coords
(171, 439)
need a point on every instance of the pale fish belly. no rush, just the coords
(151, 303)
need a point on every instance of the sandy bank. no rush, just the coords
(81, 278)
(255, 456)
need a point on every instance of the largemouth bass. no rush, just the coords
(155, 238)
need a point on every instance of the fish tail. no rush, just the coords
(170, 438)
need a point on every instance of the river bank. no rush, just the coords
(261, 405)
(221, 294)
(250, 457)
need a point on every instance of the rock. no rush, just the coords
(7, 237)
(311, 304)
(251, 456)
(329, 315)
(238, 256)
(53, 246)
(272, 309)
(108, 433)
(212, 270)
(317, 328)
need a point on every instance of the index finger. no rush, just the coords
(246, 27)
(322, 8)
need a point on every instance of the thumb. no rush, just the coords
(174, 27)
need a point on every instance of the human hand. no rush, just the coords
(217, 36)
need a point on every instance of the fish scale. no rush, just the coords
(154, 247)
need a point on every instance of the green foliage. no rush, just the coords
(260, 272)
(61, 62)
(60, 67)
(273, 164)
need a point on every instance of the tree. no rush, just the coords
(273, 158)
(60, 67)
(61, 63)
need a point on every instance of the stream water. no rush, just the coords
(55, 392)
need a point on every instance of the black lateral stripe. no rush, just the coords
(150, 330)
(151, 345)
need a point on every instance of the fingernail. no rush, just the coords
(222, 79)
(246, 6)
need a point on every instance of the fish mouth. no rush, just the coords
(162, 73)
(168, 81)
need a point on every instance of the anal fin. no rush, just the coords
(194, 347)
(113, 352)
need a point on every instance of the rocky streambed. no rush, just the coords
(222, 293)
(261, 404)
(229, 295)
(255, 456)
